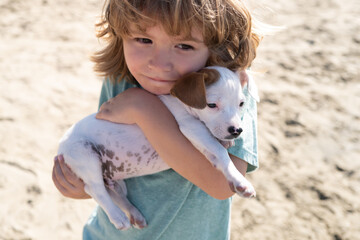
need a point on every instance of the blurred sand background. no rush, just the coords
(308, 185)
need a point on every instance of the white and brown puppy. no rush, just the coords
(207, 106)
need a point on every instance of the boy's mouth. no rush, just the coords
(161, 80)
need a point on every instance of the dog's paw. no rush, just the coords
(120, 221)
(243, 188)
(138, 221)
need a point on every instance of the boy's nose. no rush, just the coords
(160, 61)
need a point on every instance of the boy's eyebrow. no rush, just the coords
(187, 38)
(132, 32)
(191, 38)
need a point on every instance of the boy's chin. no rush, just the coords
(162, 93)
(159, 91)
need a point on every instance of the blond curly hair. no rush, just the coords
(226, 25)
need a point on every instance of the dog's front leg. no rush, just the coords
(205, 142)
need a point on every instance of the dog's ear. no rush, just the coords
(247, 80)
(244, 78)
(211, 76)
(191, 88)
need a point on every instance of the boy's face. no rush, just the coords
(157, 60)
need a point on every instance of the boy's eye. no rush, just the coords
(211, 105)
(143, 40)
(185, 47)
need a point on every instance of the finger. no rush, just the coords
(69, 175)
(65, 188)
(72, 193)
(61, 176)
(57, 179)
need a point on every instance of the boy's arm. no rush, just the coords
(161, 129)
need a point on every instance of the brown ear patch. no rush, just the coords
(191, 88)
(211, 76)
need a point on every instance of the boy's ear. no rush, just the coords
(191, 89)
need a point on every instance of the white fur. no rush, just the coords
(96, 149)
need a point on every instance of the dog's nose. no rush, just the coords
(235, 131)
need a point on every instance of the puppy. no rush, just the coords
(207, 106)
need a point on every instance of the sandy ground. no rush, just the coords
(308, 185)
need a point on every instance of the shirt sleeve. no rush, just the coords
(246, 147)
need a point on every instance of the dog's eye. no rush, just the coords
(212, 105)
(241, 104)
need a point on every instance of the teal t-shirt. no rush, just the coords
(173, 207)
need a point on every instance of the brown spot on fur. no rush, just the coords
(108, 169)
(101, 149)
(93, 147)
(109, 153)
(129, 154)
(121, 168)
(154, 155)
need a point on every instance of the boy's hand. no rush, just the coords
(123, 107)
(66, 181)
